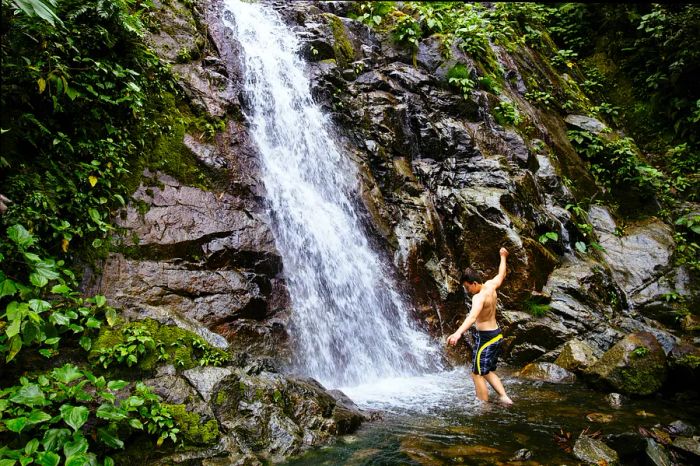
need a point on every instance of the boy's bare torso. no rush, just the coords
(487, 317)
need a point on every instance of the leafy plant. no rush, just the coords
(71, 415)
(540, 97)
(640, 351)
(372, 13)
(549, 236)
(506, 113)
(536, 308)
(40, 316)
(490, 84)
(407, 31)
(564, 58)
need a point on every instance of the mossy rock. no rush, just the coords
(171, 344)
(636, 365)
(343, 48)
(192, 429)
(168, 152)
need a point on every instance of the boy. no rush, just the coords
(489, 336)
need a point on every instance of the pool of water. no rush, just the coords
(435, 419)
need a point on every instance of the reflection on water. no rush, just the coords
(435, 420)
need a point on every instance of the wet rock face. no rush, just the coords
(636, 365)
(197, 257)
(276, 416)
(640, 258)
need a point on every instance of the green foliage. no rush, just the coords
(540, 97)
(44, 9)
(579, 215)
(653, 47)
(407, 31)
(564, 58)
(372, 13)
(71, 415)
(41, 306)
(147, 343)
(506, 113)
(616, 164)
(77, 106)
(536, 308)
(193, 430)
(549, 236)
(640, 351)
(459, 77)
(490, 83)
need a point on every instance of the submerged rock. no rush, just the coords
(636, 365)
(656, 454)
(688, 445)
(592, 451)
(615, 399)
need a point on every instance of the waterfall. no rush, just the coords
(349, 324)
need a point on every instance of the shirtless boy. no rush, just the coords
(489, 336)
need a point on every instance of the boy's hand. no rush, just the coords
(452, 339)
(503, 252)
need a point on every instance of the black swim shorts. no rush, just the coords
(487, 347)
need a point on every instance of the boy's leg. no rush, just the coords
(495, 382)
(482, 391)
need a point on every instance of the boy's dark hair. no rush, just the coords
(470, 276)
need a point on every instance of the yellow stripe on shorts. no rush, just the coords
(478, 355)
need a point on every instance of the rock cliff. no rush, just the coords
(445, 184)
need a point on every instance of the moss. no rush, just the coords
(690, 360)
(536, 309)
(192, 430)
(174, 345)
(344, 51)
(168, 152)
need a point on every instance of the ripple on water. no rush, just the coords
(434, 419)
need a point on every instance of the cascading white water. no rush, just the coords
(349, 323)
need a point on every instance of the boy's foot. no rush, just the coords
(505, 400)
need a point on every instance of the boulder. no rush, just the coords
(547, 372)
(275, 416)
(615, 400)
(640, 259)
(656, 454)
(636, 365)
(688, 445)
(576, 355)
(585, 123)
(592, 451)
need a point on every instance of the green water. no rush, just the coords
(451, 428)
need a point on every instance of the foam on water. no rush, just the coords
(447, 391)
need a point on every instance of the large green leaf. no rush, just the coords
(74, 416)
(37, 417)
(109, 439)
(19, 235)
(16, 424)
(7, 287)
(55, 438)
(77, 446)
(110, 413)
(67, 373)
(47, 458)
(44, 9)
(30, 395)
